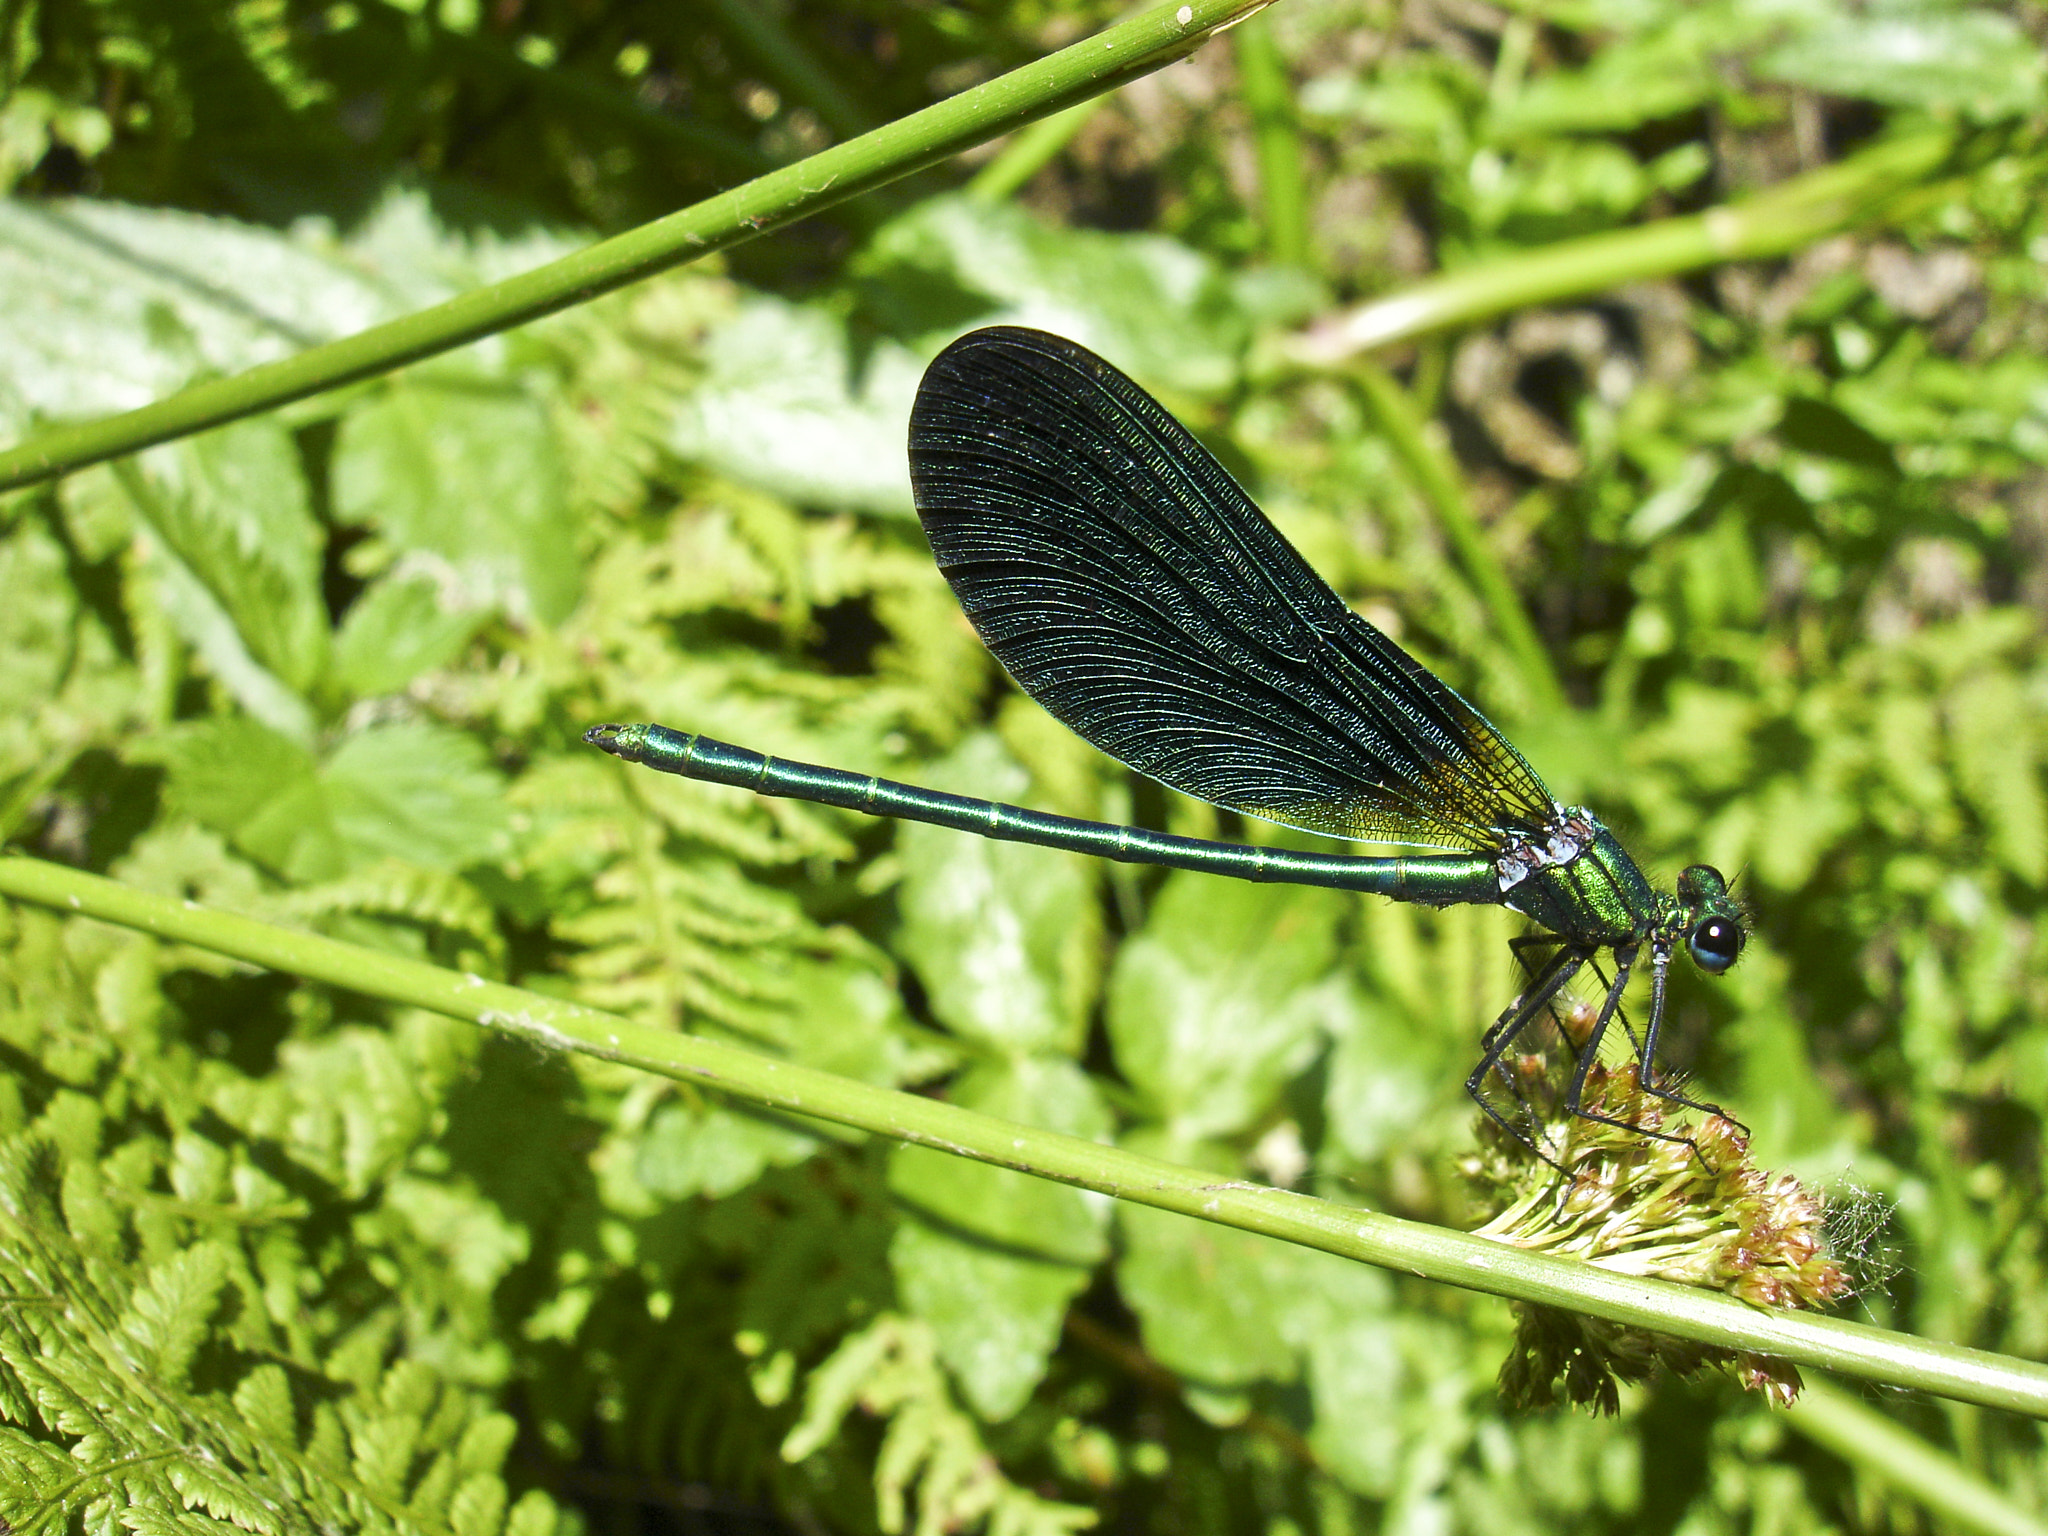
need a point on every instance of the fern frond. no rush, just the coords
(432, 899)
(136, 1402)
(932, 1452)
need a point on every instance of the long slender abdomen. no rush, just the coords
(1434, 881)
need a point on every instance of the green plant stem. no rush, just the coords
(1876, 1446)
(1789, 216)
(1430, 469)
(1453, 1258)
(1032, 149)
(1262, 72)
(1030, 152)
(781, 197)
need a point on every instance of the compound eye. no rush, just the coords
(1715, 943)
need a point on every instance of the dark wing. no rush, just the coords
(1133, 589)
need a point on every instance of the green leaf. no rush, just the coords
(478, 1507)
(264, 1399)
(1228, 1311)
(225, 771)
(1425, 95)
(465, 476)
(399, 628)
(991, 1258)
(1815, 426)
(198, 1166)
(1998, 760)
(1803, 480)
(417, 792)
(348, 1106)
(210, 630)
(1568, 190)
(1370, 1361)
(232, 506)
(34, 122)
(535, 1515)
(996, 1314)
(15, 1406)
(1213, 1302)
(1798, 823)
(1975, 61)
(1160, 310)
(690, 938)
(1356, 1374)
(1011, 1210)
(30, 1473)
(58, 663)
(1619, 90)
(785, 406)
(447, 905)
(1784, 1101)
(381, 1452)
(241, 556)
(1004, 936)
(888, 1369)
(170, 1312)
(106, 307)
(847, 1017)
(224, 1496)
(1389, 1068)
(1220, 999)
(37, 610)
(478, 1243)
(694, 1148)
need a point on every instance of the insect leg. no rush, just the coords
(1624, 963)
(1523, 945)
(1501, 1035)
(1660, 967)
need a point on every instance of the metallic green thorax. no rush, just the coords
(1598, 897)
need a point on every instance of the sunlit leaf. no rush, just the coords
(785, 405)
(1221, 999)
(1975, 60)
(465, 476)
(1005, 936)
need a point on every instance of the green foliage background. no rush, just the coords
(280, 1257)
